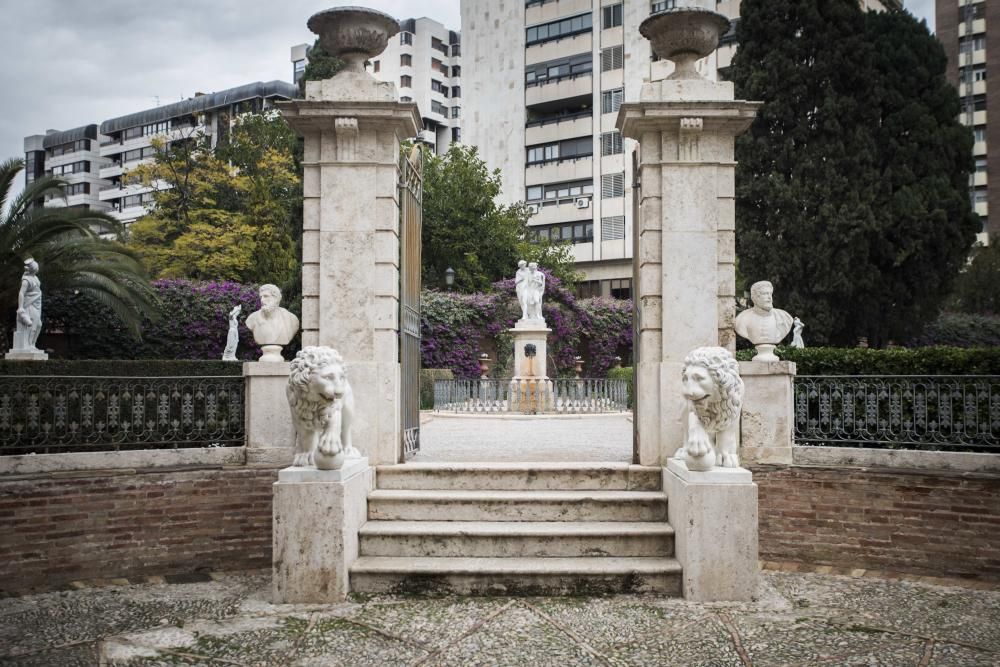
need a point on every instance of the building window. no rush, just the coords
(613, 228)
(405, 98)
(456, 71)
(439, 108)
(612, 58)
(406, 60)
(557, 191)
(588, 289)
(456, 112)
(456, 50)
(662, 6)
(971, 12)
(621, 289)
(971, 43)
(611, 143)
(611, 16)
(574, 232)
(406, 81)
(138, 154)
(613, 185)
(77, 189)
(298, 69)
(554, 70)
(439, 87)
(981, 165)
(559, 29)
(456, 134)
(979, 196)
(534, 192)
(70, 147)
(972, 73)
(438, 45)
(72, 168)
(456, 91)
(568, 149)
(377, 66)
(979, 132)
(406, 38)
(611, 100)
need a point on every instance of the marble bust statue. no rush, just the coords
(273, 327)
(763, 325)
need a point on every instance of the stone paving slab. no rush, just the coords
(799, 619)
(583, 438)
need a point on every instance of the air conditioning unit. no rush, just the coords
(582, 202)
(533, 209)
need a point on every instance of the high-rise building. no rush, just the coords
(425, 62)
(544, 80)
(971, 50)
(94, 159)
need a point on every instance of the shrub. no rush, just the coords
(628, 374)
(961, 330)
(427, 378)
(917, 361)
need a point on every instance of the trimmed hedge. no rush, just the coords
(121, 368)
(917, 361)
(628, 375)
(427, 378)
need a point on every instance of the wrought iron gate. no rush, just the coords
(410, 211)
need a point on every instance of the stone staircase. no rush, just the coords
(522, 529)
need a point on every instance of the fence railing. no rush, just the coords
(54, 414)
(559, 396)
(899, 411)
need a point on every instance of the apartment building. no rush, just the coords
(971, 51)
(95, 159)
(544, 80)
(425, 62)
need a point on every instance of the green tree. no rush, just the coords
(850, 184)
(976, 290)
(321, 66)
(465, 229)
(70, 250)
(231, 212)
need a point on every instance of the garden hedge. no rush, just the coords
(427, 378)
(901, 361)
(121, 368)
(629, 377)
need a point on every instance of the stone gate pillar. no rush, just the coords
(353, 126)
(685, 275)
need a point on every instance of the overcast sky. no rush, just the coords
(73, 62)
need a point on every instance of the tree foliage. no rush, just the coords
(321, 66)
(230, 212)
(851, 184)
(977, 290)
(465, 229)
(70, 250)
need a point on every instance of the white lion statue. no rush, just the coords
(714, 392)
(322, 405)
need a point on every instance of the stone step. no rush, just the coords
(515, 576)
(438, 505)
(508, 539)
(520, 476)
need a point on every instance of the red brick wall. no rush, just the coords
(933, 523)
(57, 529)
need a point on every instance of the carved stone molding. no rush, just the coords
(688, 138)
(346, 130)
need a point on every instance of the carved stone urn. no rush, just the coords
(684, 35)
(353, 34)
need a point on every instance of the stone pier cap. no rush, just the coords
(307, 115)
(728, 117)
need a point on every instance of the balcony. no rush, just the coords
(558, 48)
(553, 211)
(550, 90)
(110, 171)
(978, 27)
(544, 12)
(561, 127)
(573, 169)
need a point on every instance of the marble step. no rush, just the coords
(515, 576)
(520, 476)
(508, 539)
(440, 505)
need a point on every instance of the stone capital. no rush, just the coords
(352, 116)
(717, 117)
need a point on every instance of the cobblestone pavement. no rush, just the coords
(799, 619)
(572, 438)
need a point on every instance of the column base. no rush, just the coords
(317, 516)
(26, 355)
(714, 515)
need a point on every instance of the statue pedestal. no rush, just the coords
(270, 434)
(25, 355)
(530, 332)
(767, 423)
(715, 516)
(316, 519)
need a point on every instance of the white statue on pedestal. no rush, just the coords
(797, 327)
(714, 391)
(233, 337)
(29, 315)
(763, 325)
(273, 327)
(521, 287)
(322, 405)
(533, 292)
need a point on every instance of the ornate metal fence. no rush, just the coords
(560, 396)
(51, 414)
(899, 411)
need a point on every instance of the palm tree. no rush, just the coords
(76, 249)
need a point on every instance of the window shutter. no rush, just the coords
(613, 228)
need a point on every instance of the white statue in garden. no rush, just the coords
(322, 406)
(534, 291)
(29, 310)
(521, 287)
(273, 327)
(763, 325)
(713, 389)
(797, 327)
(233, 337)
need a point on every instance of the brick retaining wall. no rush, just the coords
(57, 529)
(54, 530)
(924, 522)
